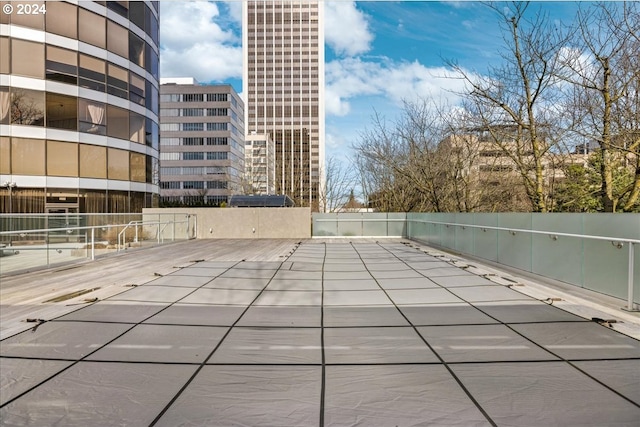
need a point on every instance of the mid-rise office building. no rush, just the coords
(283, 86)
(201, 142)
(78, 106)
(259, 164)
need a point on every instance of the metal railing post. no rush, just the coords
(630, 304)
(93, 244)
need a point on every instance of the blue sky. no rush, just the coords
(378, 53)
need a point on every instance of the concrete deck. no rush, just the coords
(333, 332)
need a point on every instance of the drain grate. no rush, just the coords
(71, 295)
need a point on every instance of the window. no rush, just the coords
(171, 127)
(217, 140)
(117, 79)
(62, 19)
(151, 97)
(193, 156)
(216, 126)
(191, 185)
(193, 97)
(117, 122)
(4, 55)
(136, 13)
(5, 155)
(27, 156)
(152, 133)
(136, 49)
(170, 141)
(117, 39)
(62, 111)
(192, 112)
(170, 171)
(217, 112)
(27, 107)
(217, 185)
(26, 20)
(170, 97)
(136, 88)
(193, 171)
(27, 58)
(61, 65)
(170, 185)
(151, 24)
(169, 112)
(137, 166)
(92, 28)
(93, 161)
(151, 62)
(92, 117)
(92, 73)
(117, 164)
(169, 156)
(136, 127)
(217, 155)
(192, 126)
(119, 7)
(193, 141)
(62, 158)
(216, 97)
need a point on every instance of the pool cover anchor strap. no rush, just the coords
(604, 322)
(38, 321)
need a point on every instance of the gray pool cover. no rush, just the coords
(340, 334)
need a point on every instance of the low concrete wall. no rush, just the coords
(246, 223)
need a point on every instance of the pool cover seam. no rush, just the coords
(442, 361)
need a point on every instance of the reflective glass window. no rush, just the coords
(136, 88)
(136, 13)
(92, 117)
(117, 39)
(62, 19)
(62, 158)
(5, 105)
(5, 155)
(117, 81)
(117, 122)
(136, 128)
(27, 107)
(93, 161)
(27, 156)
(62, 111)
(27, 58)
(92, 28)
(92, 73)
(118, 164)
(137, 167)
(136, 49)
(4, 55)
(61, 65)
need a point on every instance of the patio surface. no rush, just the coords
(322, 333)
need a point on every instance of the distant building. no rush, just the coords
(259, 163)
(201, 142)
(283, 84)
(79, 107)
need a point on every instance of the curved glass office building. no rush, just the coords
(79, 107)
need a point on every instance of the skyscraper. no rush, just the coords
(283, 85)
(78, 106)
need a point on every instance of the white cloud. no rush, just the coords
(346, 29)
(194, 43)
(397, 81)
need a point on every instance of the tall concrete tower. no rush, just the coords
(283, 85)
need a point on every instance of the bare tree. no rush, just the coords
(514, 104)
(339, 183)
(602, 69)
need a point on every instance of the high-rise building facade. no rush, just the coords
(283, 86)
(78, 106)
(201, 143)
(259, 164)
